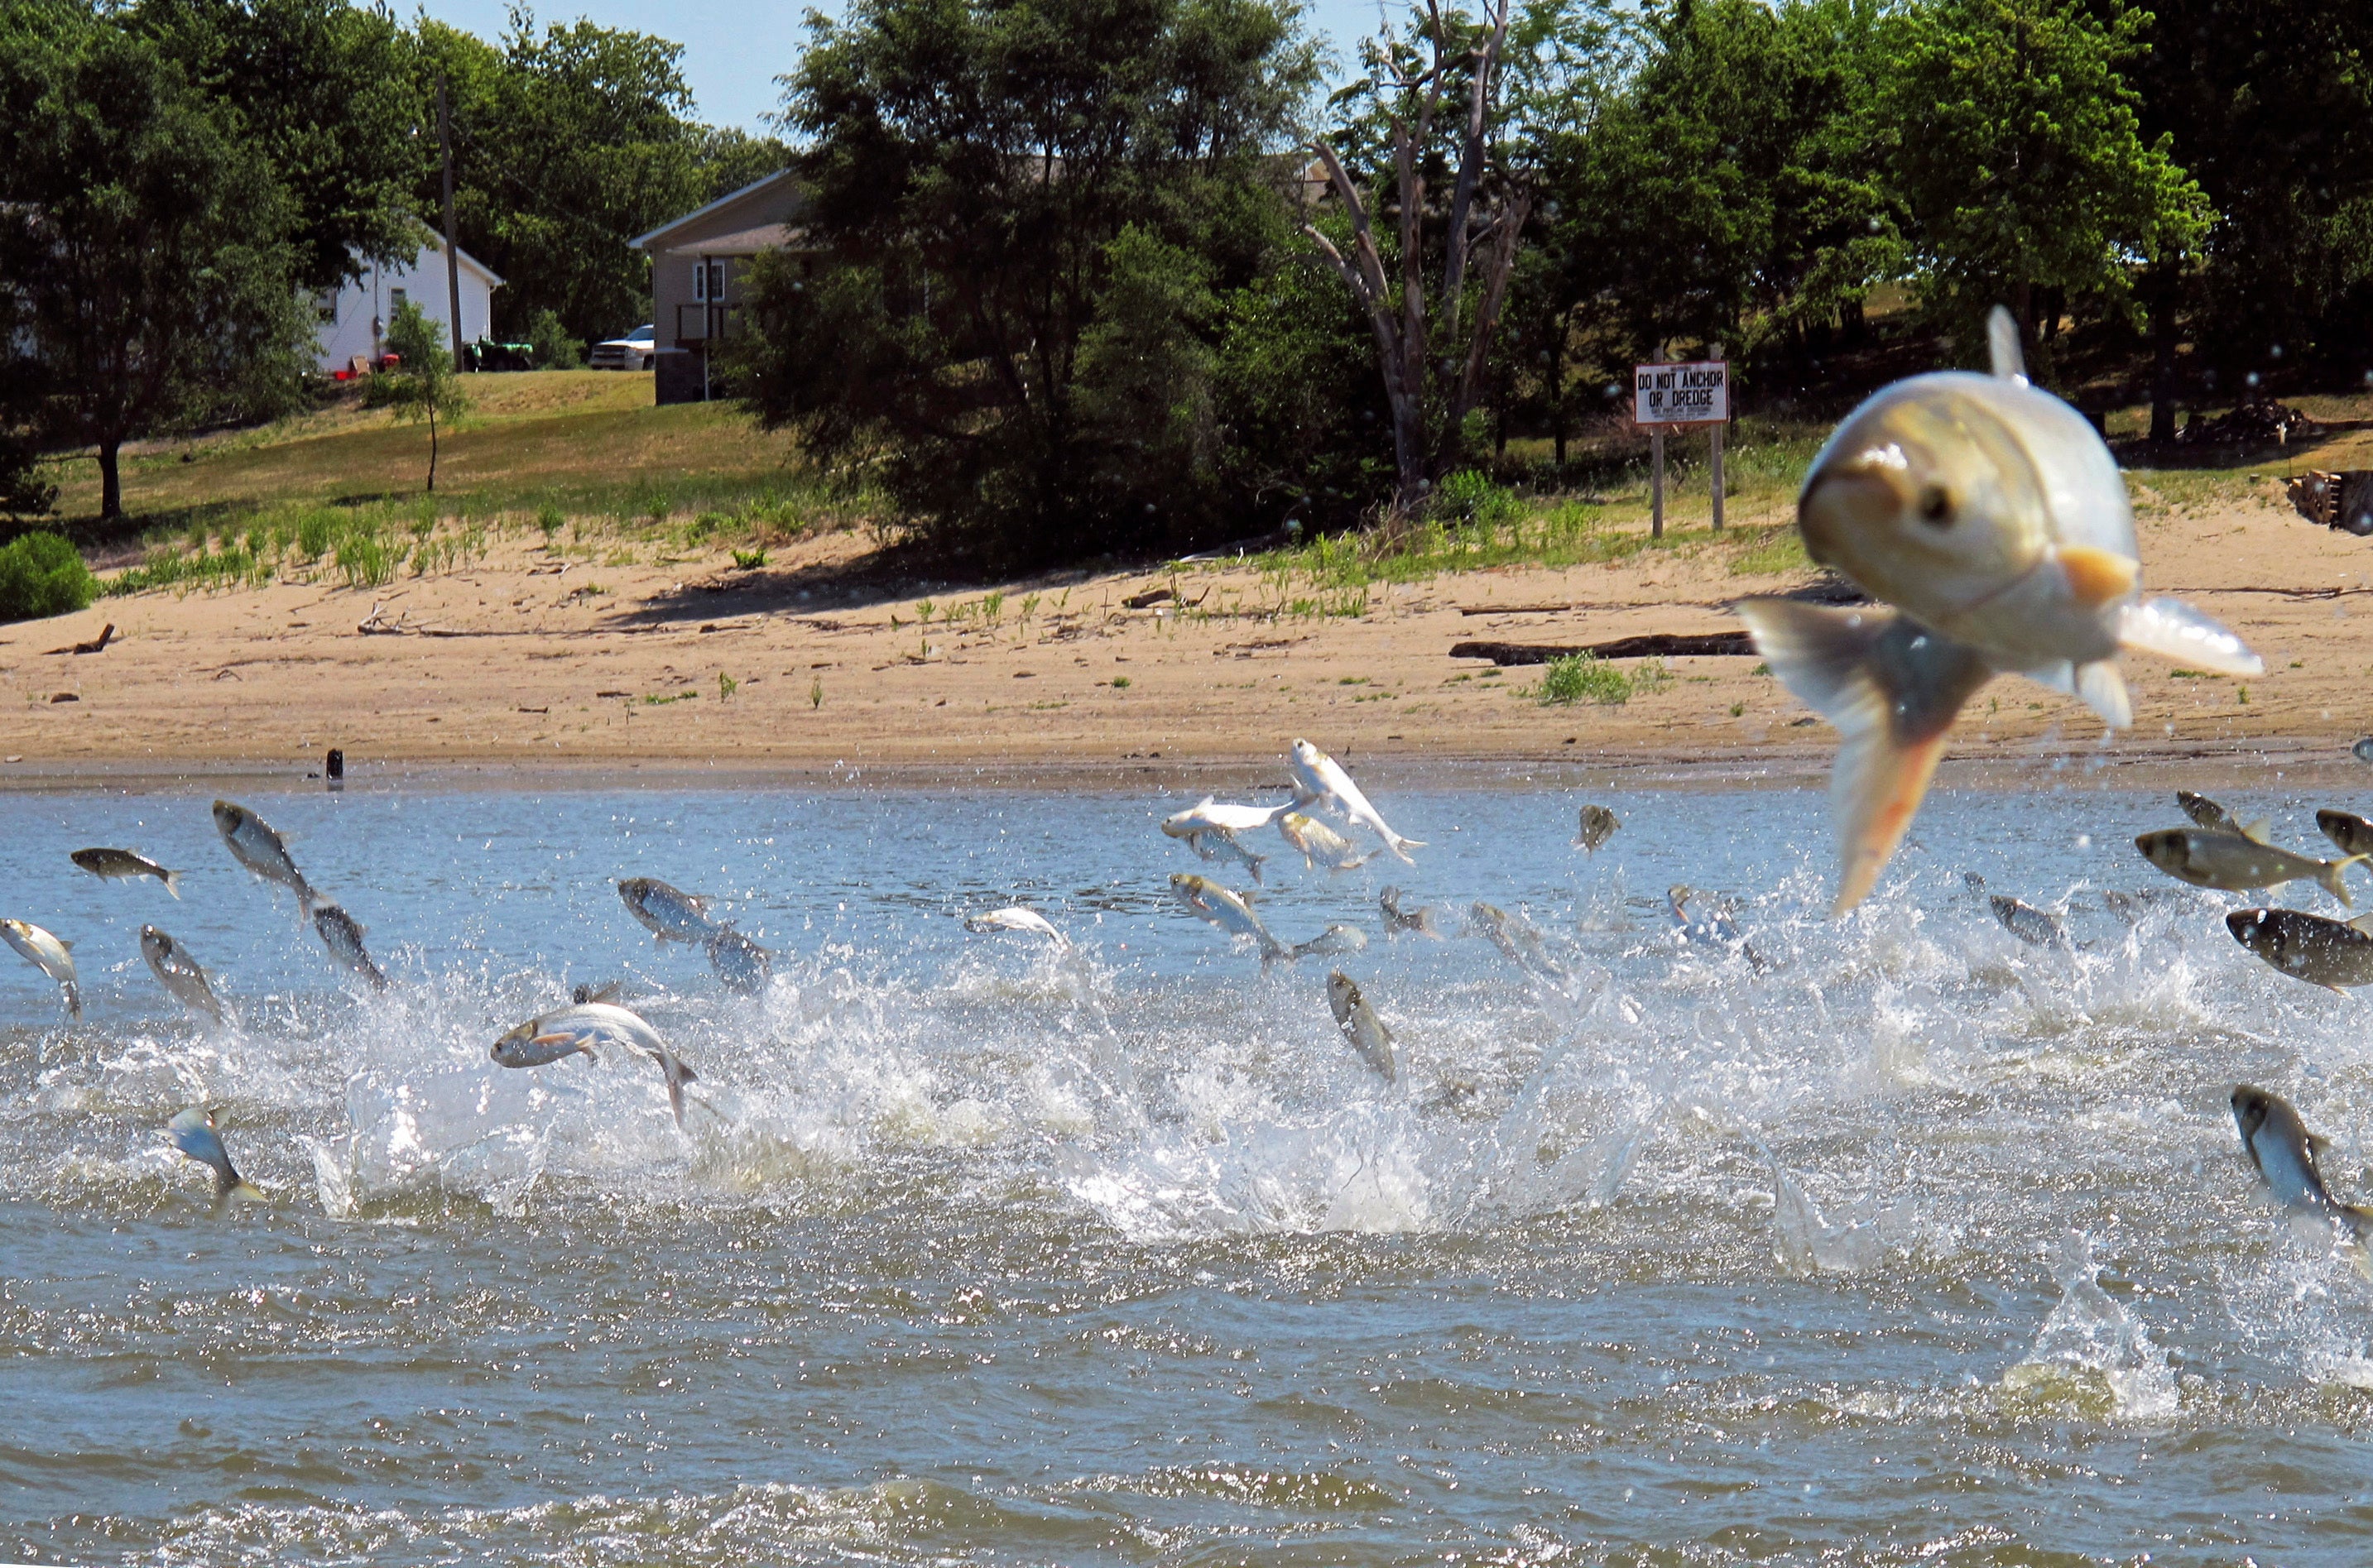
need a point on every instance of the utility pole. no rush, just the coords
(452, 255)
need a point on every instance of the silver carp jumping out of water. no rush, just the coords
(1423, 921)
(256, 846)
(49, 954)
(1319, 778)
(2284, 1154)
(537, 1043)
(2208, 814)
(1320, 844)
(1598, 825)
(179, 973)
(1991, 518)
(1211, 829)
(1515, 937)
(2330, 953)
(344, 937)
(1717, 929)
(577, 1030)
(1362, 1027)
(2232, 864)
(121, 863)
(740, 963)
(1016, 918)
(1228, 911)
(2029, 925)
(1333, 940)
(2352, 833)
(669, 914)
(193, 1133)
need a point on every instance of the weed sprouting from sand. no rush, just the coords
(726, 686)
(749, 560)
(815, 693)
(1581, 678)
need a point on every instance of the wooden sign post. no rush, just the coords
(1679, 396)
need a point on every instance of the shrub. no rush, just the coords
(1579, 678)
(553, 346)
(41, 575)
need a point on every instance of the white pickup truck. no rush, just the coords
(632, 351)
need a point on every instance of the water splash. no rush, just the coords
(2092, 1353)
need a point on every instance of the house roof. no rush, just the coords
(435, 242)
(648, 241)
(741, 242)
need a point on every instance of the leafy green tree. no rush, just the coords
(321, 89)
(149, 273)
(2268, 104)
(424, 387)
(2019, 154)
(1018, 209)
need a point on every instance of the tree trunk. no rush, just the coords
(1557, 393)
(110, 481)
(432, 449)
(2166, 288)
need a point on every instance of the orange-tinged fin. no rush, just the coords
(2172, 629)
(2098, 576)
(2330, 873)
(1892, 688)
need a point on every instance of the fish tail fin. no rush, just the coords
(2330, 877)
(675, 1100)
(1892, 689)
(1256, 862)
(74, 998)
(2103, 689)
(1363, 860)
(174, 883)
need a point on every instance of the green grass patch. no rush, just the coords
(1582, 678)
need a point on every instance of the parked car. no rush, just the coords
(632, 351)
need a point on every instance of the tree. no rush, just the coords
(149, 277)
(321, 89)
(1432, 340)
(1020, 213)
(2022, 160)
(424, 386)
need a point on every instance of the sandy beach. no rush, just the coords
(528, 657)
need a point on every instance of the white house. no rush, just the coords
(355, 324)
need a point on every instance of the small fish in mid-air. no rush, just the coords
(1333, 940)
(740, 963)
(121, 864)
(1598, 825)
(1319, 778)
(1424, 921)
(47, 954)
(1714, 930)
(1992, 522)
(1362, 1027)
(670, 914)
(2352, 833)
(179, 973)
(2216, 819)
(2232, 864)
(577, 1030)
(1517, 940)
(2033, 926)
(1320, 844)
(1219, 844)
(1227, 909)
(1016, 918)
(608, 991)
(2334, 954)
(1210, 827)
(254, 845)
(194, 1133)
(2284, 1154)
(2363, 749)
(344, 937)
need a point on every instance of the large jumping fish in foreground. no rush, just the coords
(1991, 518)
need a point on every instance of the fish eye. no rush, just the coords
(1936, 506)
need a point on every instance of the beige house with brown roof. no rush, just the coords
(697, 265)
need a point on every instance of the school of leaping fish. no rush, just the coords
(1984, 514)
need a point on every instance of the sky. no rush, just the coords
(733, 49)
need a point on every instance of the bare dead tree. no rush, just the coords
(1405, 330)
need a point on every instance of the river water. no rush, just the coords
(1913, 1244)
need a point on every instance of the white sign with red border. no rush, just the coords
(1695, 393)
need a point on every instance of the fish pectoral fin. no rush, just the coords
(2256, 831)
(1892, 689)
(2098, 576)
(2172, 629)
(2104, 691)
(2002, 346)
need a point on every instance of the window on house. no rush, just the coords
(395, 298)
(709, 283)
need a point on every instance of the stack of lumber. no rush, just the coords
(2342, 500)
